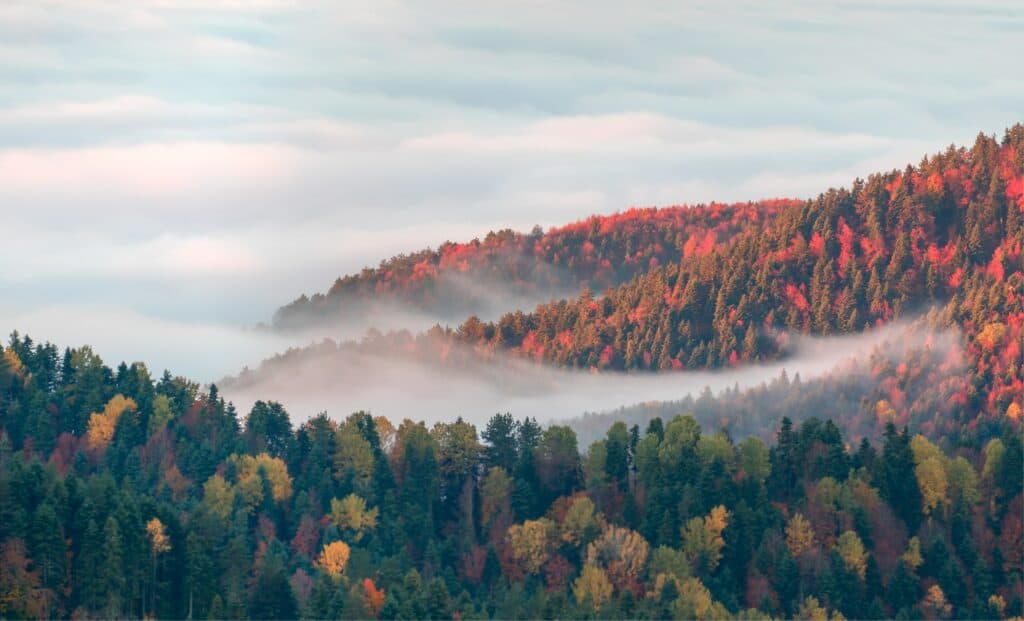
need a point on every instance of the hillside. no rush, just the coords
(945, 235)
(457, 280)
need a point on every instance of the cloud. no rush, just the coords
(176, 143)
(391, 383)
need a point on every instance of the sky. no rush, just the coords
(174, 170)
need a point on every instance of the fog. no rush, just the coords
(341, 380)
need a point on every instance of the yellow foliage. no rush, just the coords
(991, 335)
(219, 496)
(799, 535)
(934, 604)
(852, 551)
(158, 538)
(702, 537)
(579, 521)
(621, 552)
(1013, 411)
(334, 558)
(912, 557)
(695, 602)
(931, 478)
(993, 457)
(350, 513)
(884, 412)
(249, 480)
(529, 542)
(812, 610)
(923, 449)
(593, 584)
(963, 479)
(102, 424)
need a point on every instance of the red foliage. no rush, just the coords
(373, 598)
(797, 298)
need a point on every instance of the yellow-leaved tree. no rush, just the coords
(334, 558)
(812, 610)
(218, 496)
(102, 424)
(249, 483)
(159, 543)
(621, 552)
(592, 586)
(351, 515)
(799, 535)
(702, 538)
(529, 542)
(851, 550)
(580, 523)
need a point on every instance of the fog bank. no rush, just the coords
(341, 380)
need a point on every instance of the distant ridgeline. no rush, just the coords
(125, 497)
(728, 288)
(458, 280)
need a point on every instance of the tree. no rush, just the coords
(159, 543)
(269, 429)
(931, 479)
(580, 523)
(249, 468)
(897, 478)
(334, 558)
(912, 557)
(799, 535)
(529, 543)
(622, 553)
(351, 516)
(500, 436)
(702, 538)
(102, 424)
(934, 604)
(592, 586)
(851, 550)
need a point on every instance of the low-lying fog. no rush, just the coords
(340, 381)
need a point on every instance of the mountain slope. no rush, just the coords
(461, 279)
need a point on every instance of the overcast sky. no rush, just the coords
(182, 166)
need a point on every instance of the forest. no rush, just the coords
(124, 495)
(889, 488)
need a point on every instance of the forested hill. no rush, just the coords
(944, 235)
(457, 280)
(947, 232)
(125, 497)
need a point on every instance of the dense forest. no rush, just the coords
(457, 280)
(121, 495)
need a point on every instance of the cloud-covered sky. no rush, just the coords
(199, 162)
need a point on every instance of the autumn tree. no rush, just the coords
(851, 549)
(334, 558)
(799, 535)
(621, 552)
(592, 586)
(702, 538)
(102, 424)
(530, 543)
(352, 517)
